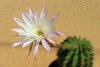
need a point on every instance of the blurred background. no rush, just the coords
(77, 17)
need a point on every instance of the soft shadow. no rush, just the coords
(54, 64)
(6, 44)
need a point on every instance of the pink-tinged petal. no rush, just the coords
(19, 22)
(51, 41)
(52, 19)
(26, 19)
(18, 30)
(18, 42)
(31, 12)
(46, 45)
(22, 34)
(32, 17)
(43, 14)
(54, 33)
(27, 43)
(36, 50)
(61, 34)
(36, 17)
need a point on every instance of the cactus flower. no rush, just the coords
(35, 28)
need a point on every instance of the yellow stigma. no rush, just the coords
(40, 33)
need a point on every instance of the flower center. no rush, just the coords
(40, 33)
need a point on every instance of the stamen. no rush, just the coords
(40, 33)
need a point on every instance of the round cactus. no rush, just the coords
(75, 52)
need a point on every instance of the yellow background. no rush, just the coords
(77, 17)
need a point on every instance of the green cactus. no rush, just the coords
(75, 52)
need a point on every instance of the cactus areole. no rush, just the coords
(75, 52)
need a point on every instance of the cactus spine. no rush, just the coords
(75, 52)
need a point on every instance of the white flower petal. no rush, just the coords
(36, 50)
(31, 12)
(18, 30)
(54, 33)
(18, 42)
(52, 19)
(51, 41)
(32, 17)
(23, 34)
(46, 45)
(43, 14)
(19, 22)
(61, 34)
(27, 43)
(26, 19)
(36, 17)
